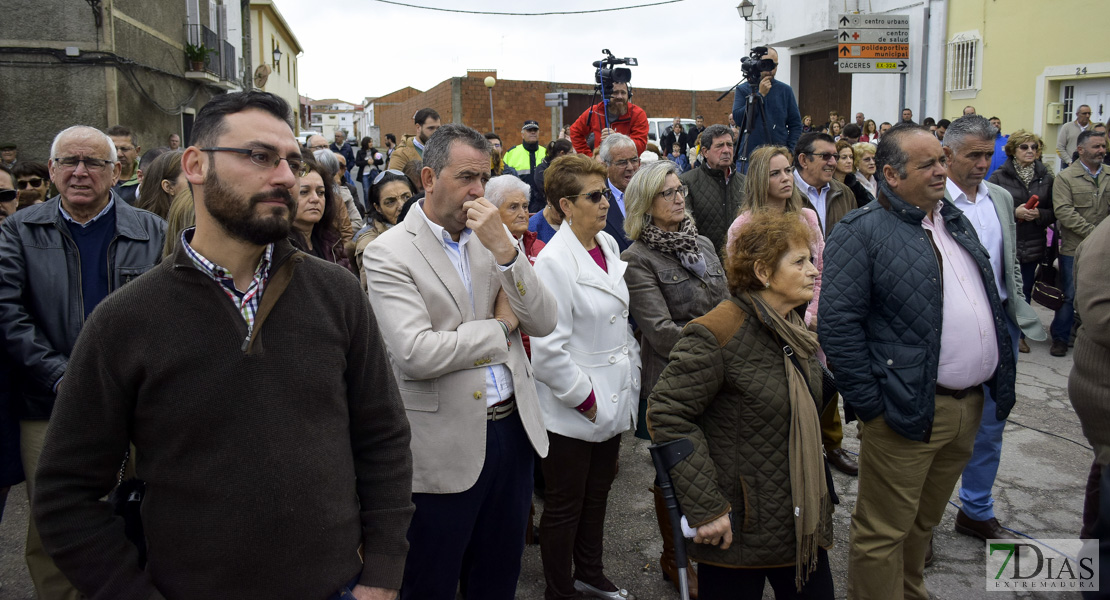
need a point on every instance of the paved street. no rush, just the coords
(1038, 493)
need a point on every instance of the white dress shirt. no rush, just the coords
(817, 197)
(499, 380)
(984, 218)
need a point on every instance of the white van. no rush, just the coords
(657, 128)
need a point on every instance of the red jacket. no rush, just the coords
(634, 124)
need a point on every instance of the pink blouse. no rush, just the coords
(817, 247)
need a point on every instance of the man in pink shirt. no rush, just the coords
(914, 328)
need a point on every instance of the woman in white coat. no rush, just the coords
(588, 379)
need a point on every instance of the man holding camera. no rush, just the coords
(777, 121)
(592, 127)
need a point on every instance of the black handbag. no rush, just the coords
(1046, 288)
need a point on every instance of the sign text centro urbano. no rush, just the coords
(873, 43)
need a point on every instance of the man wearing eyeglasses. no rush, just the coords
(618, 152)
(58, 261)
(1068, 137)
(128, 151)
(252, 382)
(814, 165)
(716, 188)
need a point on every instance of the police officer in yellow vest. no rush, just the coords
(528, 154)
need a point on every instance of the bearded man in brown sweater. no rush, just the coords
(253, 383)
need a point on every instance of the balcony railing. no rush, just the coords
(223, 65)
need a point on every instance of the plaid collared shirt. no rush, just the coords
(247, 301)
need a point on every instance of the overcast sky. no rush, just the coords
(359, 48)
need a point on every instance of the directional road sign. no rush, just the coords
(556, 99)
(873, 43)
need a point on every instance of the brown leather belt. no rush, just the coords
(501, 409)
(957, 394)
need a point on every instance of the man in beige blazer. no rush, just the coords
(453, 295)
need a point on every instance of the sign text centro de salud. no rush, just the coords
(873, 43)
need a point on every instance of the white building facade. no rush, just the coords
(804, 32)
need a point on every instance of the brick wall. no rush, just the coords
(516, 101)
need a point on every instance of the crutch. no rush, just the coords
(665, 456)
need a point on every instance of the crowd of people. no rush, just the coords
(425, 343)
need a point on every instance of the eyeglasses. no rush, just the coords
(1029, 147)
(70, 163)
(266, 158)
(33, 182)
(378, 179)
(826, 157)
(669, 195)
(7, 195)
(596, 195)
(623, 164)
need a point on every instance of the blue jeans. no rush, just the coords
(344, 592)
(980, 471)
(1065, 317)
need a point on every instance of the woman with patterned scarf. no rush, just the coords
(673, 276)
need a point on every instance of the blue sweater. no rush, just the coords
(92, 246)
(783, 119)
(543, 230)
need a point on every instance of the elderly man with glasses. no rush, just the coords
(622, 160)
(58, 261)
(1068, 138)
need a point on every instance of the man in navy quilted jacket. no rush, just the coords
(914, 328)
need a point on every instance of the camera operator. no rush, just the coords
(779, 109)
(624, 117)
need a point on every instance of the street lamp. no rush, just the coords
(277, 56)
(490, 82)
(746, 10)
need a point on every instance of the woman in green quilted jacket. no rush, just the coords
(744, 385)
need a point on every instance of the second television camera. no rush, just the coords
(754, 65)
(608, 73)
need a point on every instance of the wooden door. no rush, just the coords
(821, 88)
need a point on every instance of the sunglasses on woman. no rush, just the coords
(33, 182)
(1029, 147)
(378, 179)
(596, 195)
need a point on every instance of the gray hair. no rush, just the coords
(498, 189)
(612, 142)
(711, 133)
(85, 130)
(328, 160)
(437, 151)
(640, 194)
(968, 126)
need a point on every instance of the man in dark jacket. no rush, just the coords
(776, 113)
(675, 135)
(341, 146)
(58, 261)
(618, 152)
(716, 189)
(259, 398)
(914, 327)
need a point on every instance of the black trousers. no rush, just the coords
(720, 583)
(478, 534)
